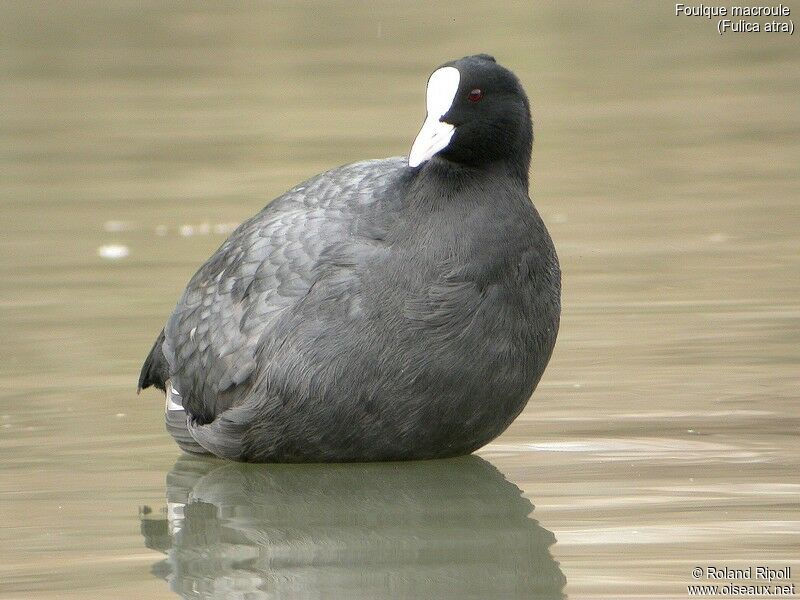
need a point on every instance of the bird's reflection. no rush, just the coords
(436, 529)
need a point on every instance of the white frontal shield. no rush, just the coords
(436, 134)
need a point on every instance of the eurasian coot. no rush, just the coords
(385, 310)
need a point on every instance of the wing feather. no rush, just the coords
(235, 303)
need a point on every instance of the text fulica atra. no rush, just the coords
(388, 309)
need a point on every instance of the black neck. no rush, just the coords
(460, 176)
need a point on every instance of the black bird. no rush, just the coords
(385, 310)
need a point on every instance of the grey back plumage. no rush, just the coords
(239, 298)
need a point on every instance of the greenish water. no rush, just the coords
(664, 433)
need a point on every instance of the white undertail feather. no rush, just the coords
(173, 398)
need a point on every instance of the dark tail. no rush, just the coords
(155, 370)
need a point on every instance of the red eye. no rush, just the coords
(475, 95)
